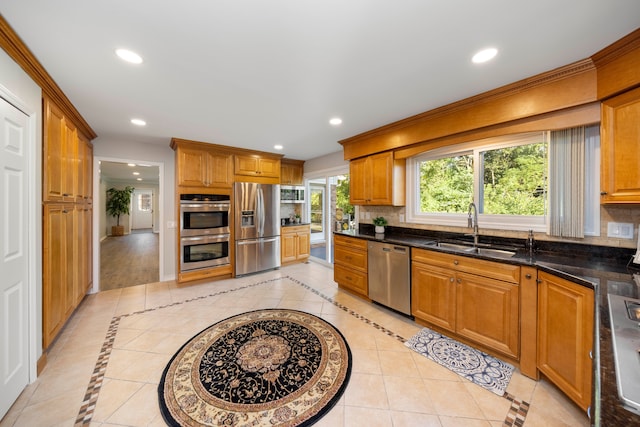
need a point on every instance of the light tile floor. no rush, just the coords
(128, 336)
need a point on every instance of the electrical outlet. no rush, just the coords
(621, 230)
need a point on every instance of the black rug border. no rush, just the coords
(166, 415)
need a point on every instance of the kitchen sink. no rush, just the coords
(502, 253)
(454, 246)
(492, 252)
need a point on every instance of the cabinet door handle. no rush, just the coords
(527, 276)
(459, 280)
(603, 193)
(451, 279)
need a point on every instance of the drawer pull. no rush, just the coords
(455, 262)
(459, 280)
(451, 279)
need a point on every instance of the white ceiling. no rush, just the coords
(140, 174)
(254, 73)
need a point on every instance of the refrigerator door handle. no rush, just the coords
(269, 239)
(260, 212)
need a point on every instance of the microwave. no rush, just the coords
(292, 194)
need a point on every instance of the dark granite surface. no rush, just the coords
(604, 269)
(292, 224)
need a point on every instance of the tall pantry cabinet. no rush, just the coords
(67, 192)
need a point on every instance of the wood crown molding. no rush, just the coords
(20, 53)
(224, 148)
(622, 47)
(618, 66)
(555, 90)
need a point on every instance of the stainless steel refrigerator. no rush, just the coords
(257, 227)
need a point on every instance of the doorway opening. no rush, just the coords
(134, 258)
(328, 210)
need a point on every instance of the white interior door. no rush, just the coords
(14, 179)
(142, 215)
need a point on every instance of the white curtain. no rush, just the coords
(566, 182)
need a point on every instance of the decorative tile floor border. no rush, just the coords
(515, 417)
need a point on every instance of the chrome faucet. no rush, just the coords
(472, 221)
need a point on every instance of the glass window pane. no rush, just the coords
(514, 180)
(446, 184)
(144, 202)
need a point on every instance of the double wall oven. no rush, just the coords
(204, 231)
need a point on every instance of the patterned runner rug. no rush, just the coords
(263, 368)
(474, 365)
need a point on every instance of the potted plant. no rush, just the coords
(297, 218)
(118, 202)
(379, 222)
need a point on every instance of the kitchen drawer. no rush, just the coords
(350, 241)
(351, 258)
(351, 279)
(495, 270)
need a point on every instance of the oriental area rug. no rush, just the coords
(272, 367)
(474, 365)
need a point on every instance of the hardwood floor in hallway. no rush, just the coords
(129, 260)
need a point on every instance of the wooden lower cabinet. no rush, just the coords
(55, 281)
(66, 264)
(350, 264)
(295, 244)
(433, 297)
(479, 308)
(565, 336)
(487, 312)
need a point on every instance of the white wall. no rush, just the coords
(18, 86)
(116, 150)
(322, 163)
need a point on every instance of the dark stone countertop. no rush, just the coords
(604, 269)
(291, 224)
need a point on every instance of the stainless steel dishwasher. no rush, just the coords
(389, 277)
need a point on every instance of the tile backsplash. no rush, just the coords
(626, 214)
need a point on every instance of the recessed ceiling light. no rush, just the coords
(484, 55)
(335, 121)
(278, 147)
(131, 164)
(138, 122)
(139, 179)
(136, 173)
(129, 56)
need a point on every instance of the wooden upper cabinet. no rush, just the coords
(256, 165)
(198, 166)
(291, 172)
(378, 179)
(84, 169)
(54, 146)
(620, 149)
(67, 158)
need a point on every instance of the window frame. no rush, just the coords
(490, 221)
